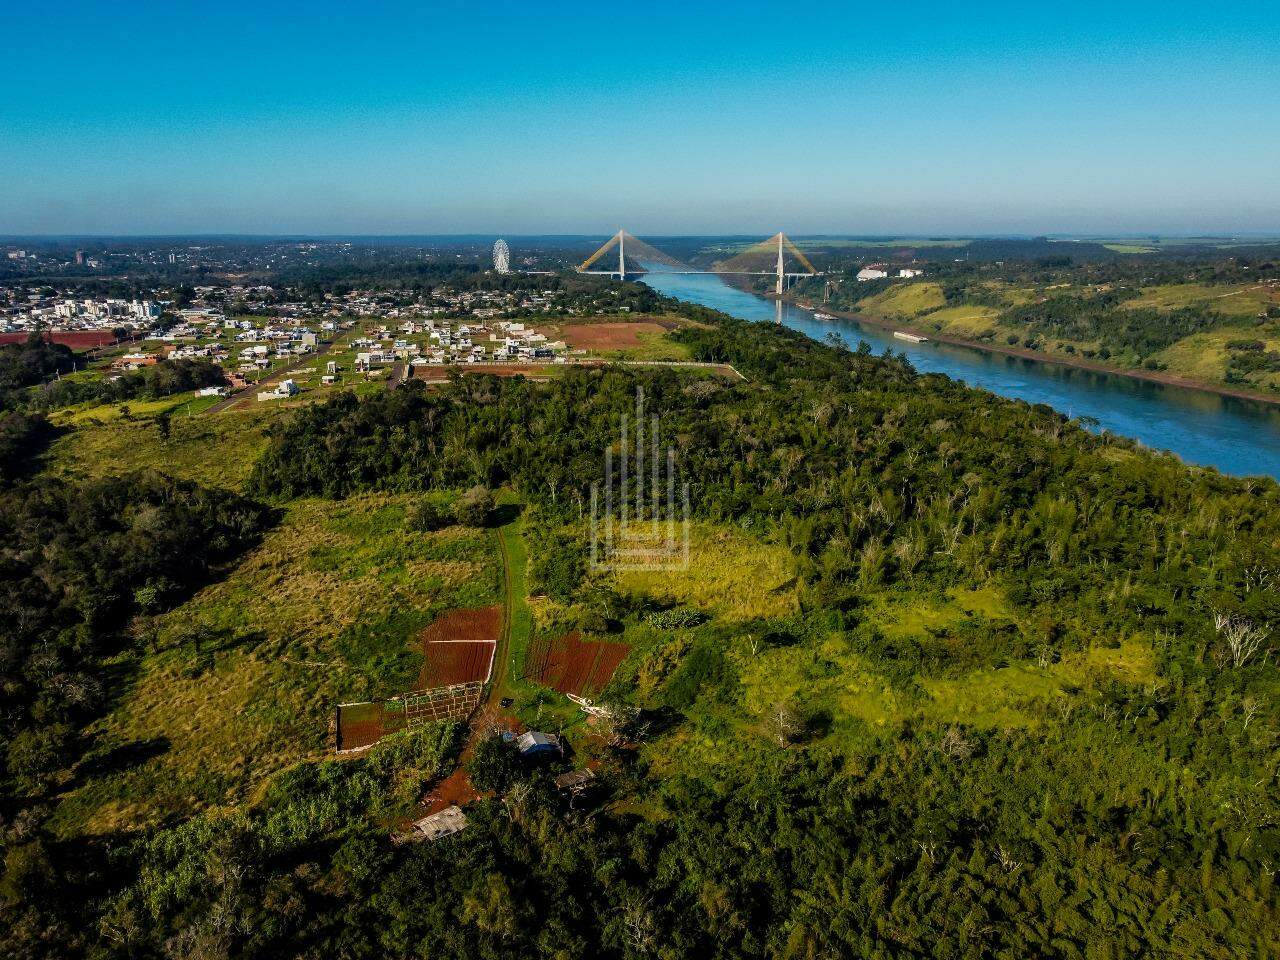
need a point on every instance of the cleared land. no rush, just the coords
(641, 338)
(241, 680)
(458, 647)
(608, 336)
(571, 664)
(219, 451)
(730, 573)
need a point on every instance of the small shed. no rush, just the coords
(448, 821)
(575, 781)
(534, 744)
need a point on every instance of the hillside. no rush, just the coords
(945, 675)
(1220, 334)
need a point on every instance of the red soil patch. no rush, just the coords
(460, 662)
(76, 339)
(359, 725)
(607, 336)
(454, 790)
(459, 646)
(570, 664)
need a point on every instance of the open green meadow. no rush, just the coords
(905, 300)
(218, 449)
(1232, 300)
(242, 680)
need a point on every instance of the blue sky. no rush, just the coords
(665, 118)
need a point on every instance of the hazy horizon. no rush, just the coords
(391, 120)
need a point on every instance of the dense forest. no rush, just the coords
(1132, 817)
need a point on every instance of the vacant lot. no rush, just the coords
(440, 373)
(644, 338)
(609, 336)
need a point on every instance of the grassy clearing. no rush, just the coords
(968, 322)
(828, 676)
(242, 680)
(1019, 695)
(653, 346)
(730, 575)
(217, 450)
(179, 404)
(1205, 355)
(1129, 248)
(1238, 300)
(905, 300)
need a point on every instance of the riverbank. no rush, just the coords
(1163, 377)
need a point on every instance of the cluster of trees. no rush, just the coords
(82, 566)
(161, 379)
(1246, 357)
(33, 361)
(1127, 335)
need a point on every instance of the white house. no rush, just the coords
(873, 272)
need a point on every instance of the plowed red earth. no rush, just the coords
(458, 647)
(458, 662)
(359, 725)
(76, 339)
(570, 664)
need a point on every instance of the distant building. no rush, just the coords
(133, 361)
(875, 271)
(286, 388)
(909, 272)
(79, 258)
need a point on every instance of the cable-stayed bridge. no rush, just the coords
(768, 258)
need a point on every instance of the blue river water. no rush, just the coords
(1239, 437)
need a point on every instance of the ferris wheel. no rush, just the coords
(502, 257)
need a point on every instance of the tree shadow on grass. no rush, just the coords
(120, 758)
(505, 513)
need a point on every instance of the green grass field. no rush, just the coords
(967, 322)
(216, 449)
(242, 680)
(905, 300)
(730, 574)
(1238, 300)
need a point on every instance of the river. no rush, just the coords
(1239, 437)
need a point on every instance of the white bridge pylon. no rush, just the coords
(633, 253)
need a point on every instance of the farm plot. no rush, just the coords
(459, 647)
(610, 336)
(570, 664)
(362, 725)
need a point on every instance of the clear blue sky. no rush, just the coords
(536, 117)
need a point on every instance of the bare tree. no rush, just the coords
(954, 744)
(1250, 706)
(1242, 638)
(784, 724)
(1007, 863)
(638, 923)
